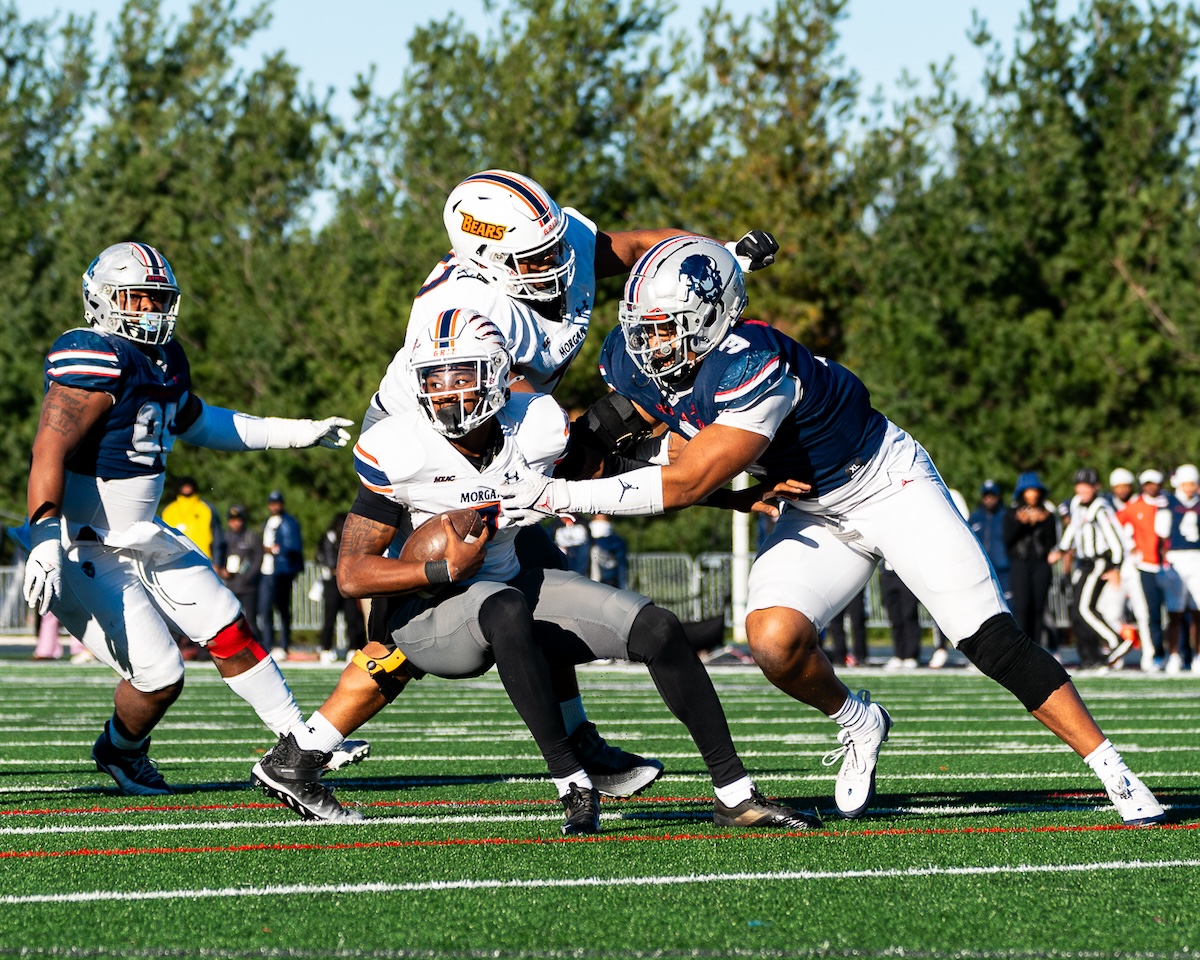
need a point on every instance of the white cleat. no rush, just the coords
(855, 786)
(1134, 801)
(351, 751)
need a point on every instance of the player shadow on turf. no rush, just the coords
(985, 807)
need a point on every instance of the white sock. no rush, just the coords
(120, 742)
(573, 714)
(1105, 761)
(734, 793)
(854, 715)
(579, 779)
(263, 687)
(318, 734)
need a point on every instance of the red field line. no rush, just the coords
(536, 841)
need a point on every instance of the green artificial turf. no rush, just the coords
(987, 838)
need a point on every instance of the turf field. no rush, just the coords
(988, 837)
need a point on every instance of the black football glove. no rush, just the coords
(755, 250)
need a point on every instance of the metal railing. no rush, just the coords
(692, 588)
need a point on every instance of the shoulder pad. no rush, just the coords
(87, 359)
(540, 427)
(388, 453)
(572, 214)
(747, 377)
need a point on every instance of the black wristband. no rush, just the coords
(437, 571)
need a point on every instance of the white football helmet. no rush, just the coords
(124, 270)
(462, 354)
(507, 226)
(682, 297)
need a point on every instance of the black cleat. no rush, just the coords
(133, 770)
(758, 811)
(293, 775)
(613, 772)
(583, 810)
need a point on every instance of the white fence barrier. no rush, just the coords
(692, 588)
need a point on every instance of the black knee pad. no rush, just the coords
(654, 632)
(1002, 651)
(505, 606)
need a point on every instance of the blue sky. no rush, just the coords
(880, 38)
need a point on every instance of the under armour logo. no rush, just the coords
(625, 488)
(511, 476)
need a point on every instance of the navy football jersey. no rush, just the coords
(824, 441)
(1185, 524)
(148, 384)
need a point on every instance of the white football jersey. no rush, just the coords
(403, 458)
(541, 349)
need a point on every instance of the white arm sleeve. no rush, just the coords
(637, 493)
(220, 429)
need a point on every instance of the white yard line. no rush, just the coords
(95, 896)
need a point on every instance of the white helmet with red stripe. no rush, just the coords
(130, 290)
(507, 226)
(682, 297)
(460, 366)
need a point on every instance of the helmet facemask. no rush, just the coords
(461, 382)
(130, 290)
(658, 343)
(510, 229)
(682, 298)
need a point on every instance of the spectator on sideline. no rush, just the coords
(856, 655)
(196, 519)
(1178, 524)
(902, 611)
(610, 563)
(941, 647)
(1030, 534)
(575, 541)
(242, 569)
(1141, 571)
(333, 601)
(1120, 487)
(987, 523)
(1094, 543)
(283, 559)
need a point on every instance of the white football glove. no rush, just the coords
(532, 499)
(754, 250)
(43, 568)
(329, 432)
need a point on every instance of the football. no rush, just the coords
(428, 541)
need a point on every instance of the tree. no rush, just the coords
(1031, 302)
(43, 79)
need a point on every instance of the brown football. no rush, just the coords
(428, 541)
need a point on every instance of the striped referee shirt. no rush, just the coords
(1093, 533)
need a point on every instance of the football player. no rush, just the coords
(477, 606)
(118, 394)
(747, 397)
(531, 267)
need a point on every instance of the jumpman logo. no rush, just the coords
(625, 488)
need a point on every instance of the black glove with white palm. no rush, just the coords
(754, 251)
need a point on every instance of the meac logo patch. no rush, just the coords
(480, 228)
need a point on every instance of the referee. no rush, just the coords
(1092, 541)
